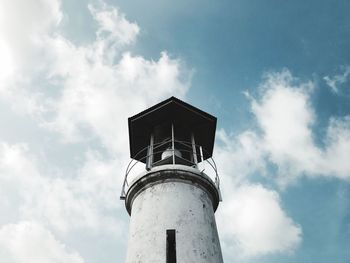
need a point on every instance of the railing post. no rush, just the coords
(194, 152)
(122, 194)
(149, 157)
(173, 141)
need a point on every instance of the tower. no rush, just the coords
(172, 202)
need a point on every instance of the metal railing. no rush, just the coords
(143, 160)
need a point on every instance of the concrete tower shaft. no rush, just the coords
(173, 198)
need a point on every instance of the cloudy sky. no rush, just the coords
(275, 73)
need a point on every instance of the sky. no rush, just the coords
(276, 74)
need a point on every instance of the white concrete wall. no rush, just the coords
(173, 205)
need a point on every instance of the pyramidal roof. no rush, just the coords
(177, 111)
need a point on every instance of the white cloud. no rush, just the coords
(17, 175)
(6, 63)
(113, 24)
(251, 219)
(63, 204)
(252, 223)
(99, 98)
(22, 26)
(336, 155)
(29, 242)
(335, 82)
(286, 118)
(238, 156)
(286, 138)
(88, 201)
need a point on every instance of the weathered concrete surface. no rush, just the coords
(173, 204)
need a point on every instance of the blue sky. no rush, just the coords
(276, 74)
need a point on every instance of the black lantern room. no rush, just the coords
(171, 132)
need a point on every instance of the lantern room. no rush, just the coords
(171, 132)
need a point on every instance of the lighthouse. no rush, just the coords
(172, 200)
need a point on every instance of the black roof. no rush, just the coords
(201, 123)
